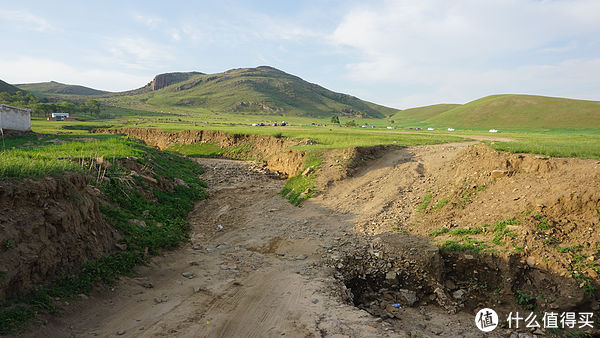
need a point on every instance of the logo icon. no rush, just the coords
(486, 320)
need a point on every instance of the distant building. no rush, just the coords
(390, 127)
(493, 130)
(451, 129)
(59, 117)
(430, 129)
(15, 118)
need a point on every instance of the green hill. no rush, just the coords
(521, 111)
(262, 90)
(7, 88)
(421, 113)
(55, 88)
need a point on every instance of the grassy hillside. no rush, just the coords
(421, 113)
(263, 90)
(521, 111)
(7, 88)
(53, 88)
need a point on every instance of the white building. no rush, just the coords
(493, 130)
(60, 116)
(430, 129)
(451, 129)
(15, 118)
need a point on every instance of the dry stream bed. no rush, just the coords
(256, 266)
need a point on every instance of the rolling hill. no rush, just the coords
(7, 88)
(56, 88)
(263, 90)
(520, 111)
(420, 114)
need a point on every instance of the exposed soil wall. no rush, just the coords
(47, 226)
(273, 151)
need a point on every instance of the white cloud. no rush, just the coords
(148, 20)
(27, 20)
(26, 70)
(463, 47)
(137, 52)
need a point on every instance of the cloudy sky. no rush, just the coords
(402, 53)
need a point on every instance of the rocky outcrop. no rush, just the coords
(163, 80)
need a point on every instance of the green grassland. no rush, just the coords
(419, 114)
(574, 142)
(520, 111)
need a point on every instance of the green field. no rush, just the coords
(520, 111)
(574, 142)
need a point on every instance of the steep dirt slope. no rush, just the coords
(273, 152)
(47, 226)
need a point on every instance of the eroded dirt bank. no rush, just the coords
(273, 151)
(47, 226)
(257, 266)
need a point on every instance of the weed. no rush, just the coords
(566, 249)
(465, 231)
(301, 187)
(438, 232)
(526, 300)
(501, 232)
(464, 244)
(441, 203)
(425, 202)
(542, 222)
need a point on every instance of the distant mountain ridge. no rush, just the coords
(266, 90)
(7, 88)
(53, 87)
(263, 90)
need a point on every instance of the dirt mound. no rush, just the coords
(516, 224)
(274, 152)
(48, 226)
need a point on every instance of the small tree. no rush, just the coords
(335, 119)
(92, 106)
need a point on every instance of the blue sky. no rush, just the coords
(397, 53)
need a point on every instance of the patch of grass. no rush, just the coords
(425, 202)
(501, 232)
(441, 203)
(55, 159)
(300, 187)
(465, 231)
(464, 244)
(526, 300)
(565, 249)
(542, 222)
(198, 149)
(438, 232)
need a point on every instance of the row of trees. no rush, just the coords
(43, 107)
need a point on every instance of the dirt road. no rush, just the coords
(254, 264)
